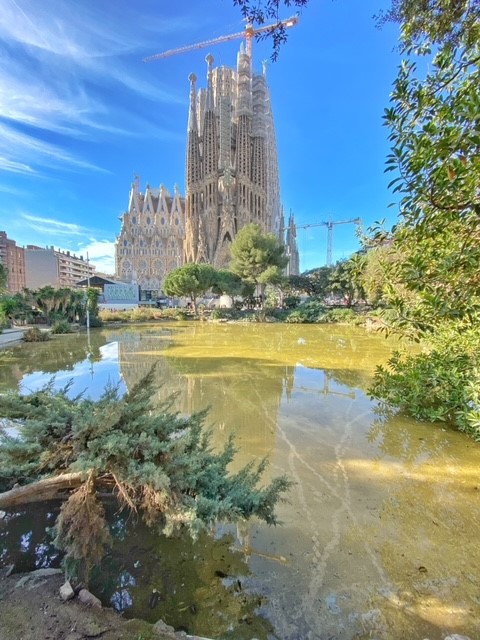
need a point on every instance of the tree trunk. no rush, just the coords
(47, 489)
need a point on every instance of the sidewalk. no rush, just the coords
(8, 337)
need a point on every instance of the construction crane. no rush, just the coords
(248, 33)
(329, 224)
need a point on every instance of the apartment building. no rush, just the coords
(13, 258)
(48, 266)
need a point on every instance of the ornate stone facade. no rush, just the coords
(232, 167)
(231, 181)
(150, 243)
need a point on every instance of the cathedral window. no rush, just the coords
(134, 219)
(162, 221)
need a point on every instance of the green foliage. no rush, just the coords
(436, 163)
(268, 11)
(374, 276)
(160, 464)
(191, 280)
(228, 283)
(225, 314)
(62, 326)
(95, 322)
(3, 278)
(433, 284)
(11, 307)
(440, 384)
(258, 258)
(290, 302)
(343, 316)
(309, 312)
(34, 334)
(438, 21)
(316, 281)
(142, 314)
(56, 304)
(92, 302)
(346, 278)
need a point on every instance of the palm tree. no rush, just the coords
(45, 300)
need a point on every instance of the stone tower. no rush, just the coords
(291, 248)
(231, 165)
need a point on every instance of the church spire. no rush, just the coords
(192, 117)
(210, 103)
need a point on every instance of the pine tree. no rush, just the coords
(159, 463)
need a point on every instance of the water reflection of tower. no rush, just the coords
(243, 395)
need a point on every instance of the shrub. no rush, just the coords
(62, 326)
(340, 315)
(35, 335)
(161, 464)
(439, 384)
(278, 314)
(109, 315)
(181, 314)
(95, 322)
(291, 302)
(310, 311)
(228, 314)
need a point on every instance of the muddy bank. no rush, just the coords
(31, 609)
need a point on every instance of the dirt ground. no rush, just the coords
(31, 609)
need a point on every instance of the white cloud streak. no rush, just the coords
(21, 145)
(11, 166)
(52, 227)
(55, 71)
(101, 253)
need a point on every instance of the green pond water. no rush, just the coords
(379, 538)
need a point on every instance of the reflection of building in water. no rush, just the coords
(243, 396)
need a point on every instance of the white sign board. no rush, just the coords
(121, 293)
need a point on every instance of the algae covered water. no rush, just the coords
(379, 536)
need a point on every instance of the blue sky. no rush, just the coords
(81, 114)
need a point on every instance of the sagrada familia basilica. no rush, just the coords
(232, 180)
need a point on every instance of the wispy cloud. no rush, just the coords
(57, 65)
(51, 227)
(101, 253)
(20, 145)
(51, 28)
(68, 236)
(15, 167)
(42, 105)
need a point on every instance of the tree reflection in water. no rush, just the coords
(199, 586)
(25, 539)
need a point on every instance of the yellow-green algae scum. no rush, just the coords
(379, 537)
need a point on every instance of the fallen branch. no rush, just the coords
(47, 489)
